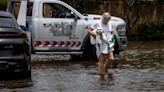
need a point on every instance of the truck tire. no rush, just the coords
(32, 50)
(27, 66)
(27, 74)
(116, 47)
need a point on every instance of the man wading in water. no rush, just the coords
(104, 46)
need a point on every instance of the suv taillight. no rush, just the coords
(13, 35)
(22, 35)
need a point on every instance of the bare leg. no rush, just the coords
(101, 64)
(111, 59)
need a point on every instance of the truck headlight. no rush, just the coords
(121, 29)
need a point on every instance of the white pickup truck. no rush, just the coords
(57, 28)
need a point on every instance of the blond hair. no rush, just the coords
(106, 15)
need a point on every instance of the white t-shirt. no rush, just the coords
(107, 28)
(104, 47)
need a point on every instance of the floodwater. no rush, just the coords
(141, 69)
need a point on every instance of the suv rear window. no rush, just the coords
(7, 22)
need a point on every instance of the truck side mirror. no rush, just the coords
(73, 15)
(23, 28)
(76, 17)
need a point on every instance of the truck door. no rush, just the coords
(60, 29)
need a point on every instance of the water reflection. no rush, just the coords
(106, 82)
(144, 55)
(12, 84)
(141, 69)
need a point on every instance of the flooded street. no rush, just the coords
(141, 69)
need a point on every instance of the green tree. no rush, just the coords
(84, 6)
(3, 4)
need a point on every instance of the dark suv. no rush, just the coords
(15, 52)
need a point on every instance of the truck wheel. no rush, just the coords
(116, 46)
(28, 74)
(27, 66)
(32, 50)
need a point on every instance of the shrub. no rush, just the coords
(151, 31)
(3, 4)
(84, 6)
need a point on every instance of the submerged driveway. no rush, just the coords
(141, 69)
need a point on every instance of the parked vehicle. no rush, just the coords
(15, 52)
(57, 28)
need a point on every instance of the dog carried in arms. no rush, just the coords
(100, 39)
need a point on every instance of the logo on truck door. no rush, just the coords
(63, 29)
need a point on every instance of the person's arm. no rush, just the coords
(91, 32)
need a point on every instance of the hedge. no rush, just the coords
(151, 31)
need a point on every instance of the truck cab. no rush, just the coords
(57, 28)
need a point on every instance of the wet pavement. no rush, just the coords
(141, 69)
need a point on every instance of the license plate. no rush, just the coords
(6, 53)
(3, 62)
(8, 47)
